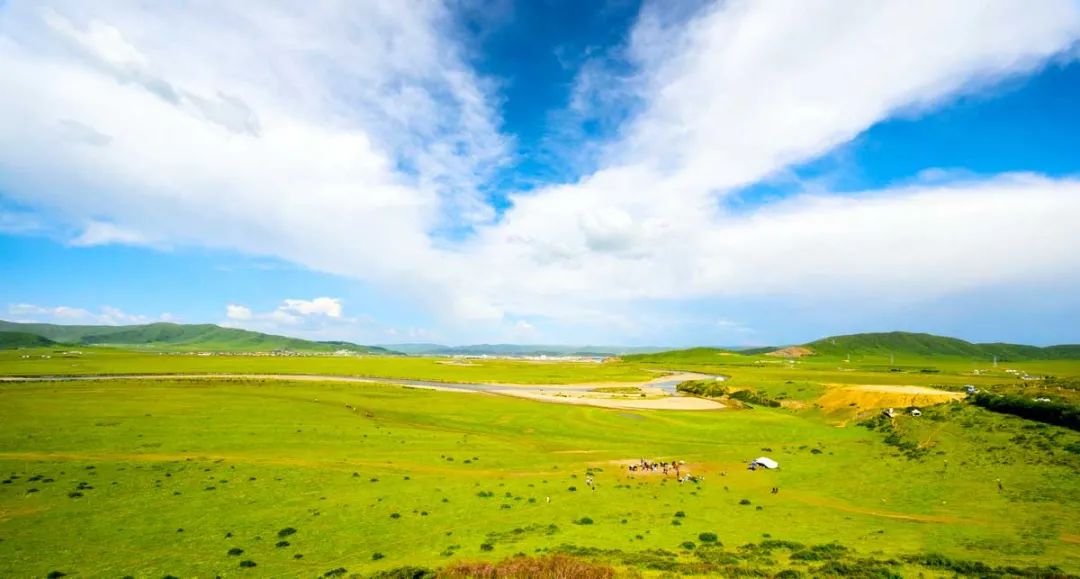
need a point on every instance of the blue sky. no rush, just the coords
(545, 172)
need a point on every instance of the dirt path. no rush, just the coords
(849, 508)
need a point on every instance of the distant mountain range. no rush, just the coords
(878, 344)
(166, 336)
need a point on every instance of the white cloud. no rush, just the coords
(237, 312)
(330, 307)
(99, 233)
(319, 318)
(340, 137)
(107, 316)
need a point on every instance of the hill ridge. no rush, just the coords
(178, 337)
(883, 344)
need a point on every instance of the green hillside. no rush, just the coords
(179, 337)
(13, 340)
(687, 356)
(929, 345)
(882, 345)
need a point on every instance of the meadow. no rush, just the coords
(284, 478)
(104, 361)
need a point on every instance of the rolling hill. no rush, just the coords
(178, 337)
(880, 344)
(13, 340)
(929, 345)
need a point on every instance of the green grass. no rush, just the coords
(97, 361)
(249, 459)
(359, 470)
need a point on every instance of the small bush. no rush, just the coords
(376, 556)
(688, 545)
(583, 521)
(680, 514)
(550, 566)
(56, 574)
(487, 547)
(235, 551)
(406, 572)
(744, 502)
(247, 563)
(395, 515)
(286, 532)
(572, 489)
(281, 544)
(338, 572)
(707, 537)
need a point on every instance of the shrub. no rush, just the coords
(572, 489)
(395, 515)
(1058, 413)
(338, 572)
(376, 556)
(583, 521)
(680, 514)
(236, 551)
(550, 566)
(744, 502)
(286, 532)
(755, 397)
(706, 388)
(487, 547)
(707, 537)
(56, 574)
(407, 572)
(688, 545)
(247, 563)
(281, 544)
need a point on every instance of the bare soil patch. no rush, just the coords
(883, 396)
(791, 352)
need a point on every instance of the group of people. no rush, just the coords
(654, 466)
(675, 466)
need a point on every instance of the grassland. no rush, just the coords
(103, 361)
(174, 474)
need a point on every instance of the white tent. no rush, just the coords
(766, 462)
